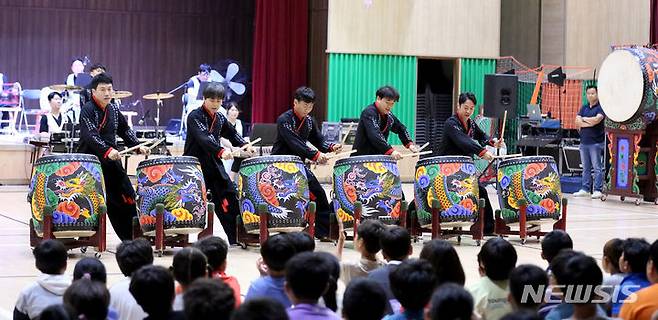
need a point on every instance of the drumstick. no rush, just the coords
(349, 127)
(143, 144)
(508, 156)
(250, 143)
(336, 155)
(416, 154)
(502, 132)
(423, 146)
(155, 144)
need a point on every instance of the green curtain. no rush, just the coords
(354, 79)
(472, 77)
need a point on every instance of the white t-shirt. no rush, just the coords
(124, 303)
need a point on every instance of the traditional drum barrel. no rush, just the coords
(452, 181)
(279, 182)
(71, 184)
(534, 179)
(177, 183)
(627, 86)
(372, 180)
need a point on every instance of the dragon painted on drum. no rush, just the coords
(281, 186)
(74, 189)
(453, 184)
(179, 188)
(375, 184)
(536, 182)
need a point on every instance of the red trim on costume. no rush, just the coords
(225, 205)
(107, 152)
(311, 196)
(408, 144)
(104, 109)
(220, 152)
(482, 152)
(316, 156)
(212, 115)
(388, 153)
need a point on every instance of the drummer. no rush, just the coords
(100, 123)
(295, 129)
(377, 122)
(205, 128)
(53, 121)
(462, 136)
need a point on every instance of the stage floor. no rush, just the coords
(590, 223)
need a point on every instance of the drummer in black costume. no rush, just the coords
(100, 123)
(205, 128)
(294, 129)
(463, 137)
(377, 122)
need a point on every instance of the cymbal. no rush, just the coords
(122, 94)
(63, 87)
(158, 96)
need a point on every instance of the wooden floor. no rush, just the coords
(590, 223)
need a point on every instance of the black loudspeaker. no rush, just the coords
(500, 95)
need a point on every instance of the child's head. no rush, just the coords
(208, 299)
(558, 268)
(522, 314)
(523, 276)
(89, 299)
(188, 265)
(612, 251)
(153, 289)
(581, 274)
(450, 301)
(261, 309)
(496, 259)
(368, 236)
(215, 249)
(635, 256)
(302, 241)
(445, 262)
(396, 243)
(50, 257)
(276, 251)
(553, 242)
(134, 254)
(329, 297)
(652, 265)
(412, 283)
(307, 277)
(90, 268)
(57, 312)
(364, 299)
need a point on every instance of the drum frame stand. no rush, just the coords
(98, 240)
(476, 230)
(246, 239)
(502, 229)
(358, 209)
(161, 241)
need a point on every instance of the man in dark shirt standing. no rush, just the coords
(375, 124)
(205, 127)
(592, 136)
(295, 128)
(100, 123)
(463, 137)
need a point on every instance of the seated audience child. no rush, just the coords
(364, 300)
(208, 299)
(412, 283)
(153, 289)
(366, 244)
(450, 301)
(275, 251)
(216, 250)
(445, 261)
(189, 264)
(130, 255)
(307, 278)
(50, 259)
(496, 260)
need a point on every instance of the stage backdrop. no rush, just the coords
(148, 46)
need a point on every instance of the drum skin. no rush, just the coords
(177, 183)
(372, 180)
(281, 184)
(534, 179)
(73, 185)
(452, 181)
(627, 86)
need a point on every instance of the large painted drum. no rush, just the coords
(534, 179)
(177, 183)
(279, 182)
(372, 180)
(452, 181)
(627, 86)
(71, 184)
